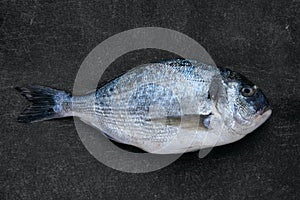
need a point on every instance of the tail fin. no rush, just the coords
(47, 103)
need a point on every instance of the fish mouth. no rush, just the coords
(264, 114)
(263, 110)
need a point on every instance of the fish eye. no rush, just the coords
(248, 91)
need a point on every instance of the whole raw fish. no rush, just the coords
(168, 107)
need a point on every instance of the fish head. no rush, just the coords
(243, 105)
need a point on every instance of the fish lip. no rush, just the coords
(260, 119)
(263, 110)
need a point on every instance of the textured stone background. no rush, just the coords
(44, 42)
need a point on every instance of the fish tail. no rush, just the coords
(47, 103)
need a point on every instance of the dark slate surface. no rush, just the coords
(44, 42)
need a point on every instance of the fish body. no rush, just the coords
(168, 107)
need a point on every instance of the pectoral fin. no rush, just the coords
(185, 121)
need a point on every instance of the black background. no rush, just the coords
(45, 42)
